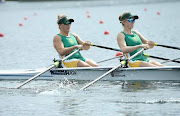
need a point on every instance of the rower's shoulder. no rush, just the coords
(74, 34)
(137, 32)
(120, 35)
(57, 37)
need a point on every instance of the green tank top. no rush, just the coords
(133, 40)
(69, 42)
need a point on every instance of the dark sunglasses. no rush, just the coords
(67, 23)
(131, 20)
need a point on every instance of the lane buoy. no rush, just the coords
(35, 14)
(1, 35)
(106, 32)
(158, 13)
(101, 21)
(145, 9)
(119, 54)
(20, 24)
(25, 18)
(89, 16)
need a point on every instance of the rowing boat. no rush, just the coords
(91, 73)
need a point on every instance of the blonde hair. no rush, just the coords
(60, 16)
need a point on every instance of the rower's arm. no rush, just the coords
(144, 40)
(59, 46)
(124, 47)
(86, 45)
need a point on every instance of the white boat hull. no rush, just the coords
(145, 73)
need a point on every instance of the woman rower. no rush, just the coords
(131, 41)
(66, 42)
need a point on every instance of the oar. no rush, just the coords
(147, 55)
(171, 61)
(118, 55)
(120, 65)
(174, 60)
(166, 46)
(47, 69)
(106, 47)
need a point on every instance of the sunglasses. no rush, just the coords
(67, 23)
(131, 20)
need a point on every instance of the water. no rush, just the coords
(30, 46)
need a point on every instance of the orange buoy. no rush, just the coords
(1, 35)
(20, 24)
(25, 18)
(158, 13)
(101, 21)
(106, 32)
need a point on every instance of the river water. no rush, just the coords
(30, 47)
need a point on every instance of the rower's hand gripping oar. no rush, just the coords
(120, 65)
(56, 64)
(166, 46)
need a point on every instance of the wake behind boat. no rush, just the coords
(91, 73)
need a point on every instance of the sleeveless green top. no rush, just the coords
(69, 42)
(133, 40)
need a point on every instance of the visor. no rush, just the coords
(128, 16)
(65, 21)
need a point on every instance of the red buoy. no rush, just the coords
(35, 14)
(106, 32)
(25, 18)
(101, 21)
(1, 35)
(89, 16)
(119, 54)
(20, 24)
(158, 13)
(145, 9)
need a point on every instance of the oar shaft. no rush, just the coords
(174, 60)
(109, 59)
(166, 46)
(120, 65)
(47, 69)
(92, 82)
(114, 49)
(27, 81)
(136, 54)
